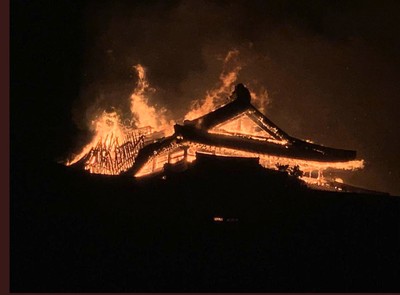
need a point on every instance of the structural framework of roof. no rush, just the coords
(235, 128)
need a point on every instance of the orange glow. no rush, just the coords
(243, 126)
(218, 219)
(114, 146)
(157, 162)
(260, 99)
(110, 135)
(105, 127)
(108, 126)
(220, 93)
(146, 115)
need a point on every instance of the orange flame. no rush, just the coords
(146, 115)
(108, 125)
(223, 89)
(109, 131)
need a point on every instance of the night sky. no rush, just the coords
(331, 69)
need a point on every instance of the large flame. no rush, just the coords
(107, 128)
(114, 145)
(221, 91)
(146, 115)
(219, 95)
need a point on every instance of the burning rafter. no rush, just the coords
(112, 158)
(239, 129)
(236, 129)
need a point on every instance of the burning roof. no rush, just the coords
(236, 129)
(239, 129)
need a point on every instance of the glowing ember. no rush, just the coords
(105, 127)
(157, 162)
(110, 134)
(236, 126)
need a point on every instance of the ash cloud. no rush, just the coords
(330, 70)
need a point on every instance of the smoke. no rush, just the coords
(313, 65)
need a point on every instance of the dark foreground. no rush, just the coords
(73, 232)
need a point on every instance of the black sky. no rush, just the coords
(331, 69)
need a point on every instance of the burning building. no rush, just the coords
(236, 129)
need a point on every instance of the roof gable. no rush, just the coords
(244, 125)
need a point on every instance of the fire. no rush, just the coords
(106, 126)
(115, 146)
(221, 91)
(110, 132)
(219, 95)
(145, 114)
(156, 163)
